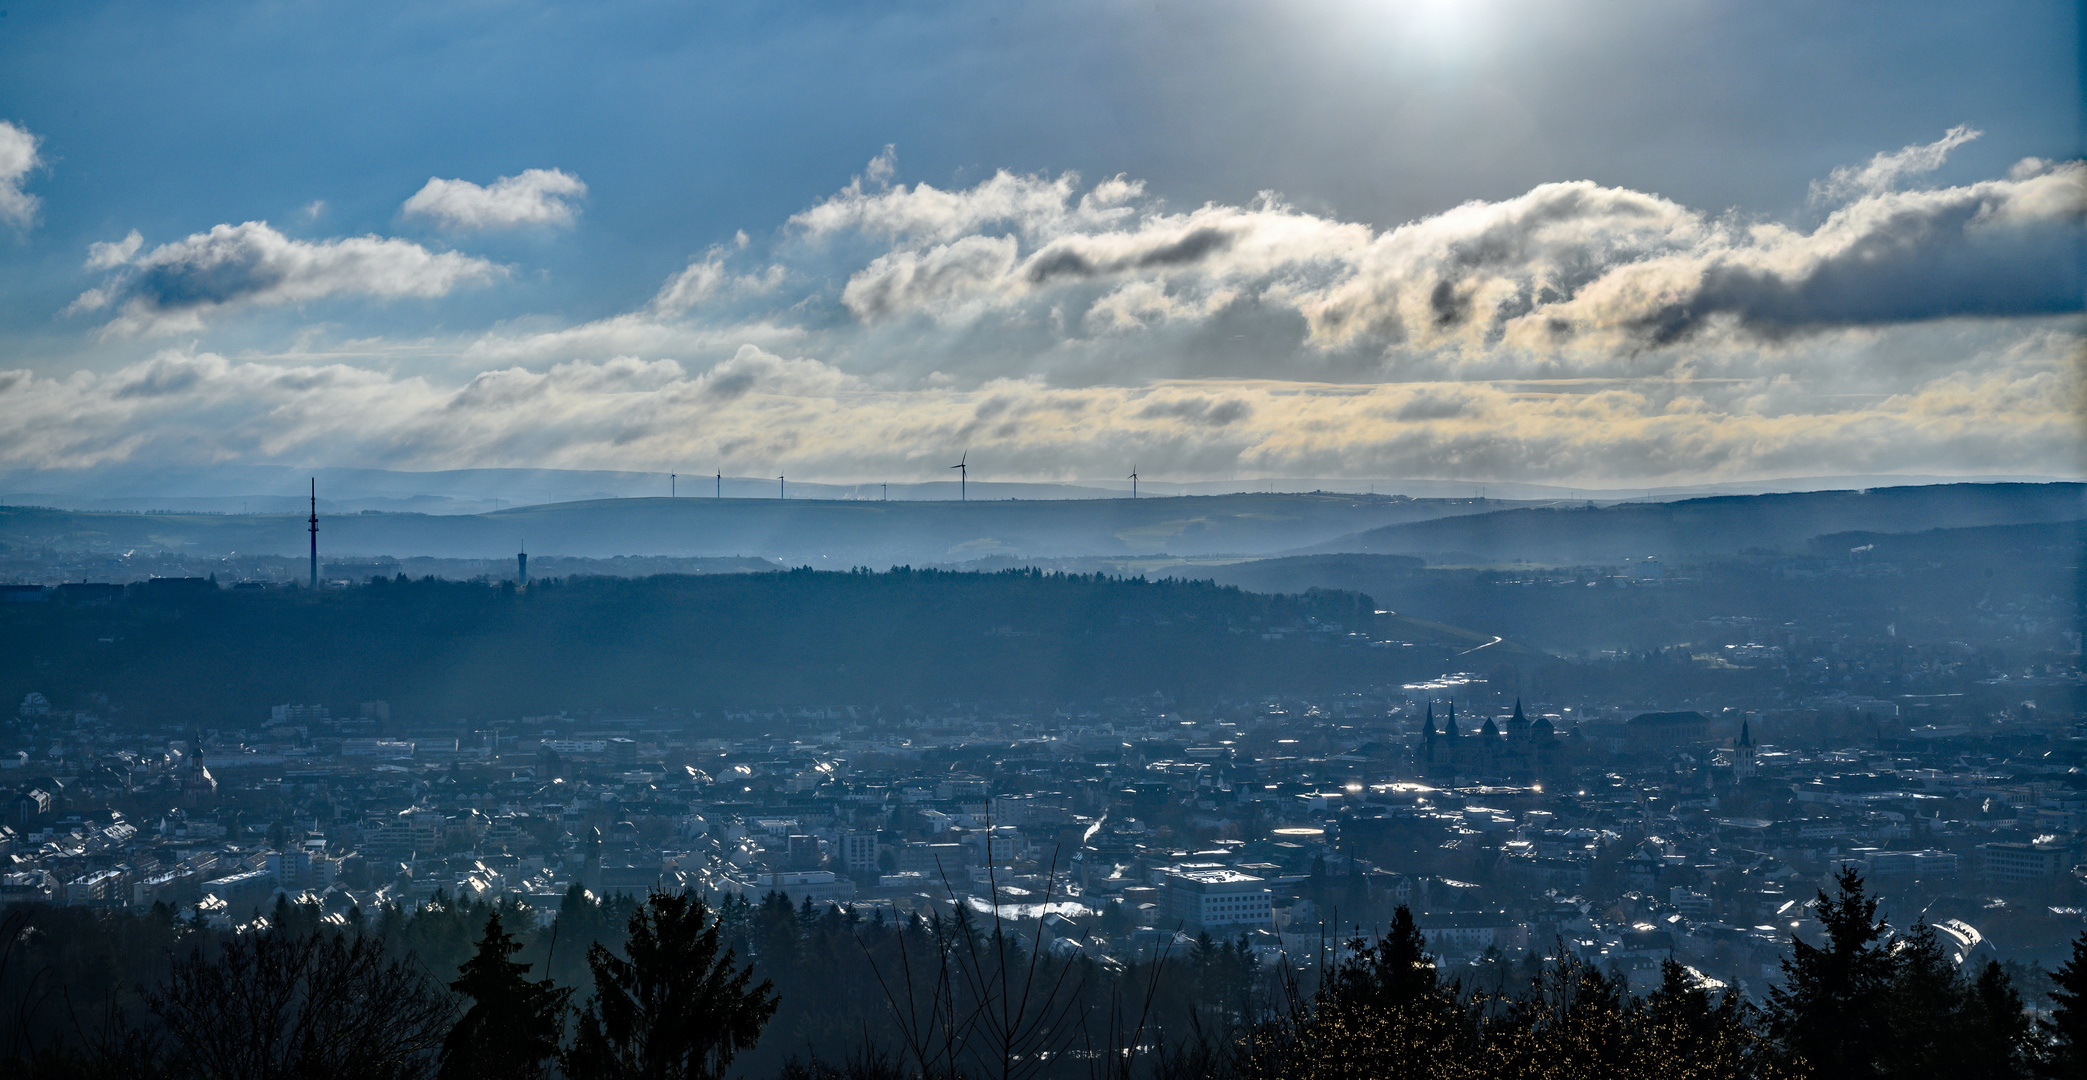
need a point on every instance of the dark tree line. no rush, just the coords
(299, 998)
(1864, 1002)
(668, 988)
(446, 649)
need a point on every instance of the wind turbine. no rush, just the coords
(673, 483)
(781, 489)
(720, 484)
(963, 476)
(1133, 481)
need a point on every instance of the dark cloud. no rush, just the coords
(1204, 411)
(175, 286)
(1071, 258)
(1910, 267)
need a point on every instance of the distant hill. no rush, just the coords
(1695, 528)
(185, 651)
(232, 488)
(825, 534)
(1910, 589)
(2066, 538)
(840, 534)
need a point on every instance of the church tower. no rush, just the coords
(1743, 753)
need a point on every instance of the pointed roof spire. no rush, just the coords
(1746, 737)
(1518, 717)
(1427, 726)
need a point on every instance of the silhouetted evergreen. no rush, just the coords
(1831, 1011)
(676, 1008)
(1392, 972)
(1683, 1032)
(514, 1027)
(2065, 1032)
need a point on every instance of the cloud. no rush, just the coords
(175, 287)
(1577, 332)
(1032, 205)
(706, 278)
(1997, 248)
(110, 255)
(1883, 172)
(536, 197)
(18, 158)
(1565, 274)
(2012, 408)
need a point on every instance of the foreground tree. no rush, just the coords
(1831, 1010)
(2065, 1033)
(300, 1005)
(675, 1009)
(1681, 1032)
(1395, 970)
(514, 1026)
(1381, 1013)
(1999, 1037)
(1924, 1005)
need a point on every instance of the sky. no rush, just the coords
(1567, 242)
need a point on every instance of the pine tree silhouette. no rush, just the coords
(1830, 1010)
(514, 1026)
(2066, 1030)
(676, 1009)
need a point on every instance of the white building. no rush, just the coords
(1216, 899)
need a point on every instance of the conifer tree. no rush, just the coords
(676, 1009)
(1830, 1012)
(1681, 1031)
(1998, 1033)
(1924, 1011)
(2065, 1033)
(1394, 971)
(514, 1026)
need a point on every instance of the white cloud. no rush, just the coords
(175, 287)
(110, 255)
(706, 278)
(2013, 408)
(536, 197)
(1578, 333)
(18, 158)
(1883, 172)
(1033, 205)
(1568, 273)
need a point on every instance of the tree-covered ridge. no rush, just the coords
(438, 649)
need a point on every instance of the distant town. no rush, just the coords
(1116, 830)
